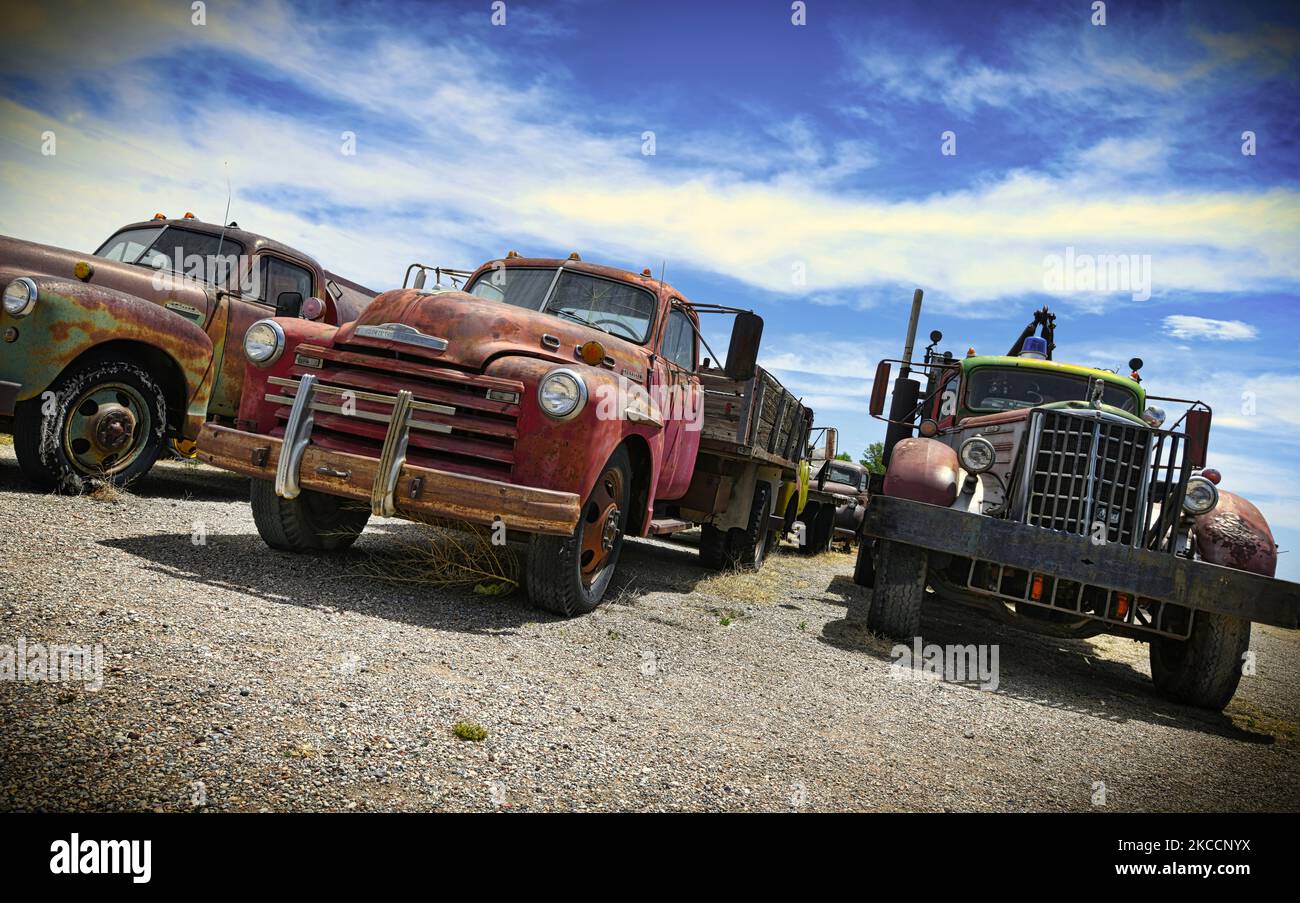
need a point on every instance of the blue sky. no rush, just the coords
(796, 169)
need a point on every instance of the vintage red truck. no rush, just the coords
(1054, 496)
(108, 356)
(566, 403)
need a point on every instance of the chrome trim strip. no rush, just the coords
(297, 436)
(431, 407)
(400, 332)
(363, 415)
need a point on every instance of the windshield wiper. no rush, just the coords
(572, 316)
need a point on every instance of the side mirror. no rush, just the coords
(742, 353)
(419, 280)
(1198, 436)
(287, 304)
(879, 389)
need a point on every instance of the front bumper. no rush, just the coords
(405, 490)
(1154, 575)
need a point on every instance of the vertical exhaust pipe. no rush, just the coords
(906, 390)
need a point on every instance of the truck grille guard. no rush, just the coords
(459, 420)
(1108, 480)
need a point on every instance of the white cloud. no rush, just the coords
(1182, 326)
(453, 162)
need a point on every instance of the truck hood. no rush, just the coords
(27, 258)
(477, 330)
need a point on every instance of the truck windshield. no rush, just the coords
(193, 254)
(617, 308)
(840, 474)
(1007, 389)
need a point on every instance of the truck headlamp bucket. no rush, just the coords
(1154, 417)
(264, 342)
(1201, 496)
(977, 454)
(562, 394)
(20, 297)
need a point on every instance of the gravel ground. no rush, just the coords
(283, 682)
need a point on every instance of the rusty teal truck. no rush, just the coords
(107, 357)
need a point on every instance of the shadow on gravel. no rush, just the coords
(1055, 673)
(244, 564)
(178, 480)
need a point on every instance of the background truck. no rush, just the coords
(107, 356)
(556, 400)
(838, 493)
(1052, 495)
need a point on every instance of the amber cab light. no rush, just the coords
(592, 352)
(1212, 475)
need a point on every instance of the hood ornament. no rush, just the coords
(400, 332)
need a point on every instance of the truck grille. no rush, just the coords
(1089, 476)
(460, 421)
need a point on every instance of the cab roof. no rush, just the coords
(1029, 363)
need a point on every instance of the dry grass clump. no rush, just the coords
(783, 574)
(446, 558)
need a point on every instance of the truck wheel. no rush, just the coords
(105, 421)
(568, 575)
(713, 547)
(748, 547)
(312, 522)
(897, 590)
(809, 519)
(1204, 669)
(864, 569)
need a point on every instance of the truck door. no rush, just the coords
(272, 277)
(680, 403)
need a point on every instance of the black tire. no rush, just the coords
(809, 521)
(713, 547)
(312, 522)
(864, 568)
(558, 573)
(748, 547)
(1204, 669)
(105, 421)
(897, 590)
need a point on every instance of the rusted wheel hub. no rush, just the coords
(600, 529)
(112, 427)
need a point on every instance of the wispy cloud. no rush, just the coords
(1183, 326)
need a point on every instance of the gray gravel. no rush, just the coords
(281, 682)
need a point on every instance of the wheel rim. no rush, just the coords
(105, 430)
(600, 528)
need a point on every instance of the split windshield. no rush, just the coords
(617, 308)
(1008, 389)
(179, 250)
(847, 475)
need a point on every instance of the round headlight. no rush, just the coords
(264, 342)
(976, 454)
(1154, 417)
(562, 394)
(20, 297)
(1201, 496)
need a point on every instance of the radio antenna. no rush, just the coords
(225, 219)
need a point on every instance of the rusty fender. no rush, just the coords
(922, 470)
(71, 318)
(1236, 535)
